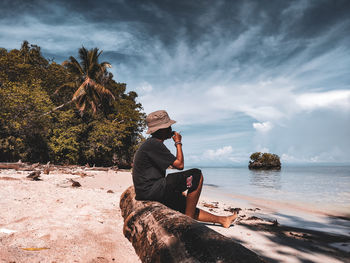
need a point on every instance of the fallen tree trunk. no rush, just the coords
(15, 166)
(160, 234)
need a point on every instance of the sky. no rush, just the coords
(237, 76)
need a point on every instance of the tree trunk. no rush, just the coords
(160, 234)
(15, 166)
(58, 107)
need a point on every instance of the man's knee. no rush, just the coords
(197, 179)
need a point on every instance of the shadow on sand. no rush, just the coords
(304, 240)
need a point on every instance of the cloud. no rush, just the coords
(218, 153)
(336, 99)
(225, 155)
(262, 127)
(333, 155)
(144, 88)
(320, 135)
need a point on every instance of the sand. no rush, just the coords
(68, 224)
(51, 221)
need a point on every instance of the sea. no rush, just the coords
(323, 187)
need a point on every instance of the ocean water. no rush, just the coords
(321, 187)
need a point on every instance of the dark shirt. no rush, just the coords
(150, 163)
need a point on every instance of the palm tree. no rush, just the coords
(89, 80)
(25, 49)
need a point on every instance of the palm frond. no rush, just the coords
(83, 54)
(80, 91)
(81, 108)
(93, 63)
(73, 66)
(103, 91)
(105, 65)
(93, 106)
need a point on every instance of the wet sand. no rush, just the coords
(51, 221)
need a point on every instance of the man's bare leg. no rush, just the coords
(192, 199)
(191, 204)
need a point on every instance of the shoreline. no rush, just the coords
(84, 224)
(292, 215)
(217, 192)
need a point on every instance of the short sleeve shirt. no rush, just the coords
(150, 163)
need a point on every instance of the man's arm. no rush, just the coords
(179, 162)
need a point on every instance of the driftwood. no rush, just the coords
(20, 166)
(160, 234)
(15, 166)
(50, 167)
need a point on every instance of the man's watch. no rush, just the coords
(176, 143)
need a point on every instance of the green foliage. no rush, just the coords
(20, 122)
(260, 160)
(31, 130)
(255, 156)
(64, 140)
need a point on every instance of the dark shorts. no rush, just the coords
(176, 183)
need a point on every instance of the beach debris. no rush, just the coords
(253, 209)
(299, 235)
(81, 174)
(7, 231)
(35, 165)
(110, 191)
(34, 248)
(75, 183)
(94, 168)
(35, 176)
(275, 223)
(254, 218)
(213, 205)
(15, 166)
(233, 209)
(47, 168)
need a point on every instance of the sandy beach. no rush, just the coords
(51, 221)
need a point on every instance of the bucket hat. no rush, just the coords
(158, 120)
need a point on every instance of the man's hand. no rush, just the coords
(179, 162)
(177, 137)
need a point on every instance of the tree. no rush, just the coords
(89, 79)
(255, 156)
(266, 161)
(23, 133)
(28, 82)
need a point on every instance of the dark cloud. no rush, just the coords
(191, 21)
(320, 17)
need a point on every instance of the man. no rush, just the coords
(149, 173)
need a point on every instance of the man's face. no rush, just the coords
(164, 134)
(168, 133)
